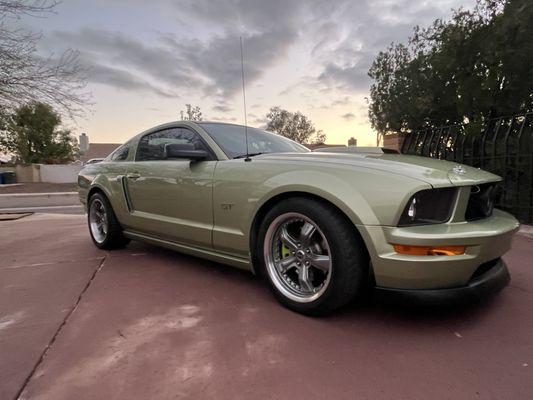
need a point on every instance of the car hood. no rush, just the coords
(437, 173)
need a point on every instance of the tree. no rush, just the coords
(319, 138)
(352, 142)
(191, 113)
(27, 77)
(33, 135)
(295, 126)
(474, 67)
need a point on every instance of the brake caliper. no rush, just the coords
(285, 252)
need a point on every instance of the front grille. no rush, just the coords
(481, 201)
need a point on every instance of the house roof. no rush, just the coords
(99, 150)
(321, 145)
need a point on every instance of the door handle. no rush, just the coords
(133, 175)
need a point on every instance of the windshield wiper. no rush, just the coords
(248, 155)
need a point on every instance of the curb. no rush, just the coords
(526, 230)
(20, 200)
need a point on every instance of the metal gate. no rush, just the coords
(503, 147)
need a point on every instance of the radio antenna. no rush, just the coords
(244, 102)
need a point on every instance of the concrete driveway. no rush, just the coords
(146, 323)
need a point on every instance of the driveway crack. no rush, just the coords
(59, 329)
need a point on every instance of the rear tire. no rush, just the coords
(104, 228)
(312, 256)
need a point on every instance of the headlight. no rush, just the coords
(431, 206)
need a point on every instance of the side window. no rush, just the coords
(121, 154)
(152, 146)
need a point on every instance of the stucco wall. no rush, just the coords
(28, 173)
(60, 173)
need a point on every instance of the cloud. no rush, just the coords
(221, 118)
(222, 108)
(342, 101)
(244, 15)
(348, 116)
(212, 68)
(199, 54)
(209, 64)
(217, 63)
(122, 79)
(350, 36)
(348, 76)
(257, 121)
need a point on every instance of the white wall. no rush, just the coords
(28, 173)
(60, 173)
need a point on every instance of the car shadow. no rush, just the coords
(371, 308)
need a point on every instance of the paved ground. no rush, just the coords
(76, 209)
(145, 323)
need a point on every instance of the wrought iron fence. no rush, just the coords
(504, 146)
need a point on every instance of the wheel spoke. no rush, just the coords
(303, 278)
(322, 262)
(298, 259)
(306, 233)
(98, 221)
(286, 263)
(287, 239)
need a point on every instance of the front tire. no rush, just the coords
(104, 228)
(312, 256)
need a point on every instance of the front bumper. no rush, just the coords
(486, 240)
(492, 278)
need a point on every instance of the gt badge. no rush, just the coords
(227, 206)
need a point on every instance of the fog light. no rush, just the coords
(429, 250)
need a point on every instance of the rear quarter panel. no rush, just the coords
(105, 176)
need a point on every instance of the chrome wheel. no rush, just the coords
(297, 257)
(98, 220)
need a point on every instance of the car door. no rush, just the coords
(171, 198)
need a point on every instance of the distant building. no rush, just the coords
(98, 150)
(90, 150)
(84, 143)
(393, 141)
(312, 146)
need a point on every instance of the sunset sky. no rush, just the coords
(147, 59)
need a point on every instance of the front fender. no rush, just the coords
(366, 196)
(321, 184)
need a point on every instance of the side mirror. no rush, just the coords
(184, 150)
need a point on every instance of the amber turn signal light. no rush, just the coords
(429, 250)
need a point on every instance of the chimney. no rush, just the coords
(84, 143)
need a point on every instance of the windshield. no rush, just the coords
(231, 139)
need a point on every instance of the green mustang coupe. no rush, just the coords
(319, 226)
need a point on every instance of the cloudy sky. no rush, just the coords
(147, 59)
